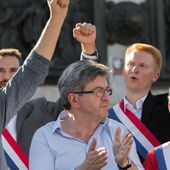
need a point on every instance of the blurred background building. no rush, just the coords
(119, 23)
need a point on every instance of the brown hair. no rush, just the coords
(149, 49)
(12, 52)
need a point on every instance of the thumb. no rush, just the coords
(93, 145)
(76, 31)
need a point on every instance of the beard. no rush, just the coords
(3, 83)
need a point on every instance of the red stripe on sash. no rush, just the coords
(15, 147)
(144, 130)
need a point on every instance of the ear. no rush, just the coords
(73, 100)
(156, 77)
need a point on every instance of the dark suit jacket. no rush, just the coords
(156, 117)
(32, 116)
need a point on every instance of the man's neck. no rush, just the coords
(133, 97)
(77, 127)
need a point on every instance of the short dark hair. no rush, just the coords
(13, 53)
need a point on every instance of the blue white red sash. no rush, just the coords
(162, 154)
(15, 157)
(144, 139)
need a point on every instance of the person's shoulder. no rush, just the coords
(45, 129)
(115, 124)
(163, 97)
(40, 102)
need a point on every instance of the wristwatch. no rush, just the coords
(127, 166)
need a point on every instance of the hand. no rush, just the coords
(95, 159)
(121, 148)
(58, 7)
(85, 33)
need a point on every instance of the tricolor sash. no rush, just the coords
(162, 154)
(15, 157)
(144, 139)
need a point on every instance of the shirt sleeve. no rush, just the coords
(24, 83)
(93, 56)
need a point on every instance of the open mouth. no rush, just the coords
(133, 78)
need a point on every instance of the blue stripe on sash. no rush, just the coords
(160, 158)
(112, 115)
(141, 150)
(10, 162)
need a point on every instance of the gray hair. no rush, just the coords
(77, 75)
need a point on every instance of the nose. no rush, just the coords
(7, 76)
(106, 95)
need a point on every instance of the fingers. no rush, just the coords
(121, 147)
(85, 28)
(96, 158)
(63, 3)
(118, 134)
(126, 143)
(93, 145)
(101, 159)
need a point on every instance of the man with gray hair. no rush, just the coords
(144, 114)
(83, 134)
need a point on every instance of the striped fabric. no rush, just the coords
(15, 157)
(162, 154)
(144, 139)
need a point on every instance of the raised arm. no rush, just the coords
(35, 68)
(85, 34)
(48, 39)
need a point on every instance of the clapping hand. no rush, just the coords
(121, 148)
(95, 159)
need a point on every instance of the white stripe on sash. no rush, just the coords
(11, 153)
(16, 158)
(132, 128)
(162, 154)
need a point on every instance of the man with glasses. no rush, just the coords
(145, 115)
(83, 138)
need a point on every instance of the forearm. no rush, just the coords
(88, 48)
(49, 37)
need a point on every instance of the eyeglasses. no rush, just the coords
(98, 91)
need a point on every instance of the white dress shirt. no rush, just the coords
(137, 109)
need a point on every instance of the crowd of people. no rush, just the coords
(79, 131)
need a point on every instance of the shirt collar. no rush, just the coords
(57, 124)
(139, 103)
(62, 115)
